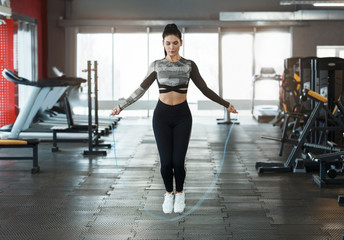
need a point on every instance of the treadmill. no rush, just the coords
(264, 112)
(46, 91)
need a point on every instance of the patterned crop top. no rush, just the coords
(173, 76)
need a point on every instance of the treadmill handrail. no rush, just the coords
(260, 77)
(43, 82)
(11, 76)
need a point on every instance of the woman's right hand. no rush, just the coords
(116, 111)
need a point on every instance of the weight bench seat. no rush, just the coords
(323, 160)
(22, 143)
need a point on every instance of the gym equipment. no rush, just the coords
(311, 73)
(324, 123)
(71, 126)
(42, 90)
(341, 201)
(329, 82)
(264, 112)
(294, 111)
(291, 85)
(290, 92)
(301, 141)
(93, 134)
(331, 165)
(30, 143)
(92, 129)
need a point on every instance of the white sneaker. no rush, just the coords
(167, 206)
(179, 203)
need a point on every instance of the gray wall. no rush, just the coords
(56, 36)
(167, 9)
(305, 38)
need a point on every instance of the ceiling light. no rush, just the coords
(336, 3)
(333, 4)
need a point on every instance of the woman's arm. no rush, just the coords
(200, 83)
(139, 92)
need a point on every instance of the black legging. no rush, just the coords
(172, 129)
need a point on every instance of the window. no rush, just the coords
(123, 59)
(271, 48)
(96, 47)
(330, 51)
(202, 48)
(237, 60)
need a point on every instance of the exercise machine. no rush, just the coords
(264, 112)
(341, 201)
(301, 142)
(41, 90)
(91, 128)
(331, 166)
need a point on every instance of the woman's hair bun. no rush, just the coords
(171, 26)
(171, 29)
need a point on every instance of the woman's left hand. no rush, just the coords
(232, 109)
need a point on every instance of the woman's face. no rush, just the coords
(172, 45)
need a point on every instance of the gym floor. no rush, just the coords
(88, 198)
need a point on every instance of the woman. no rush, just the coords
(172, 118)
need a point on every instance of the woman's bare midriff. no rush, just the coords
(173, 98)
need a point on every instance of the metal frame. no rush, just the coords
(324, 159)
(34, 157)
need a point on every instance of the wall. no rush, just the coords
(56, 36)
(36, 9)
(163, 9)
(305, 39)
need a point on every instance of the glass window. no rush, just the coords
(341, 53)
(96, 47)
(326, 52)
(330, 51)
(123, 59)
(130, 63)
(271, 48)
(237, 59)
(197, 46)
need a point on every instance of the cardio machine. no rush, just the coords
(44, 92)
(264, 112)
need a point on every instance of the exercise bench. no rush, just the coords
(331, 165)
(18, 143)
(71, 126)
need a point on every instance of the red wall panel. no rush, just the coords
(36, 9)
(7, 88)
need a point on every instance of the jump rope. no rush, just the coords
(200, 201)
